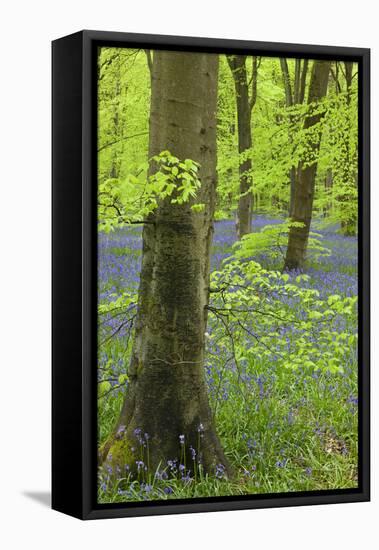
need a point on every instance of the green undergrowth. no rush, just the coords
(284, 427)
(294, 432)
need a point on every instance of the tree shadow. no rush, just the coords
(42, 497)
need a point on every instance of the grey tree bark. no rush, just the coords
(293, 98)
(167, 395)
(350, 177)
(237, 64)
(115, 162)
(306, 175)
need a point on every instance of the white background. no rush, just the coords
(27, 29)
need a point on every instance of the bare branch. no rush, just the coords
(121, 139)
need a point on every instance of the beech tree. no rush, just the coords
(194, 362)
(166, 399)
(294, 95)
(245, 104)
(347, 196)
(306, 171)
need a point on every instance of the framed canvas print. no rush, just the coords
(210, 274)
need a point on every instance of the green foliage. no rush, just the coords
(280, 142)
(250, 302)
(285, 424)
(117, 302)
(123, 111)
(340, 162)
(272, 242)
(285, 352)
(135, 198)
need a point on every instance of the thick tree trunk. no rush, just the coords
(306, 175)
(237, 64)
(167, 395)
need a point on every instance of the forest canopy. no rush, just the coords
(227, 274)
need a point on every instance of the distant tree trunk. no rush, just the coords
(286, 82)
(230, 178)
(289, 102)
(149, 60)
(335, 74)
(305, 184)
(115, 162)
(349, 79)
(293, 98)
(348, 225)
(167, 394)
(303, 81)
(349, 175)
(328, 185)
(237, 64)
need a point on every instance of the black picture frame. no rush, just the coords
(74, 293)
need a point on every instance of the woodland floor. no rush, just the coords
(287, 430)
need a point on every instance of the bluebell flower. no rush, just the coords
(140, 464)
(193, 453)
(220, 470)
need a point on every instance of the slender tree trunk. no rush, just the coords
(349, 224)
(305, 184)
(115, 162)
(303, 81)
(349, 79)
(293, 98)
(237, 64)
(149, 60)
(293, 178)
(328, 185)
(297, 81)
(289, 102)
(167, 394)
(286, 82)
